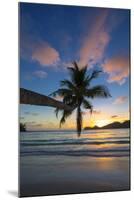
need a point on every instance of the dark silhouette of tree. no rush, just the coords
(22, 127)
(34, 98)
(76, 92)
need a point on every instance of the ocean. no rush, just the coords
(58, 162)
(95, 143)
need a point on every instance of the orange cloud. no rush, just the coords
(45, 54)
(117, 68)
(120, 100)
(96, 41)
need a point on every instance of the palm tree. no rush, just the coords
(22, 127)
(76, 92)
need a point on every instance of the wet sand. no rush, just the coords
(42, 175)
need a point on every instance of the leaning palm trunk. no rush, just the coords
(79, 121)
(34, 98)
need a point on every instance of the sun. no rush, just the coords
(102, 122)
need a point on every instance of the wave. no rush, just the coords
(109, 145)
(71, 142)
(82, 152)
(91, 131)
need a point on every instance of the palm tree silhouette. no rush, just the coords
(22, 127)
(76, 91)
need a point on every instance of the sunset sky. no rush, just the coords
(51, 37)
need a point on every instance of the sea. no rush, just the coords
(91, 143)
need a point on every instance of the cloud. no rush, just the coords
(45, 54)
(33, 125)
(38, 125)
(40, 74)
(36, 49)
(96, 112)
(120, 100)
(114, 116)
(29, 113)
(96, 41)
(34, 114)
(94, 46)
(117, 68)
(32, 46)
(30, 123)
(85, 112)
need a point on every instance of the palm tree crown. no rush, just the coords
(76, 92)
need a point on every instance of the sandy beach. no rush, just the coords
(66, 175)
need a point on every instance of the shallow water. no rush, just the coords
(95, 143)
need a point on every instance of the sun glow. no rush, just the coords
(102, 122)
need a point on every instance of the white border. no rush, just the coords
(9, 97)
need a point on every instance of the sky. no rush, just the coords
(52, 37)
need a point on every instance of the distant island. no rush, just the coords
(114, 125)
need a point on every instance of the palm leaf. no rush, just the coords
(68, 84)
(98, 91)
(61, 92)
(94, 74)
(87, 105)
(57, 112)
(65, 114)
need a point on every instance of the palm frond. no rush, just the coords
(94, 74)
(98, 91)
(87, 105)
(67, 99)
(74, 68)
(61, 92)
(57, 112)
(84, 70)
(65, 114)
(74, 73)
(68, 84)
(75, 65)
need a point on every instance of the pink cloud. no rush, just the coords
(117, 68)
(94, 46)
(96, 41)
(45, 55)
(120, 100)
(40, 74)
